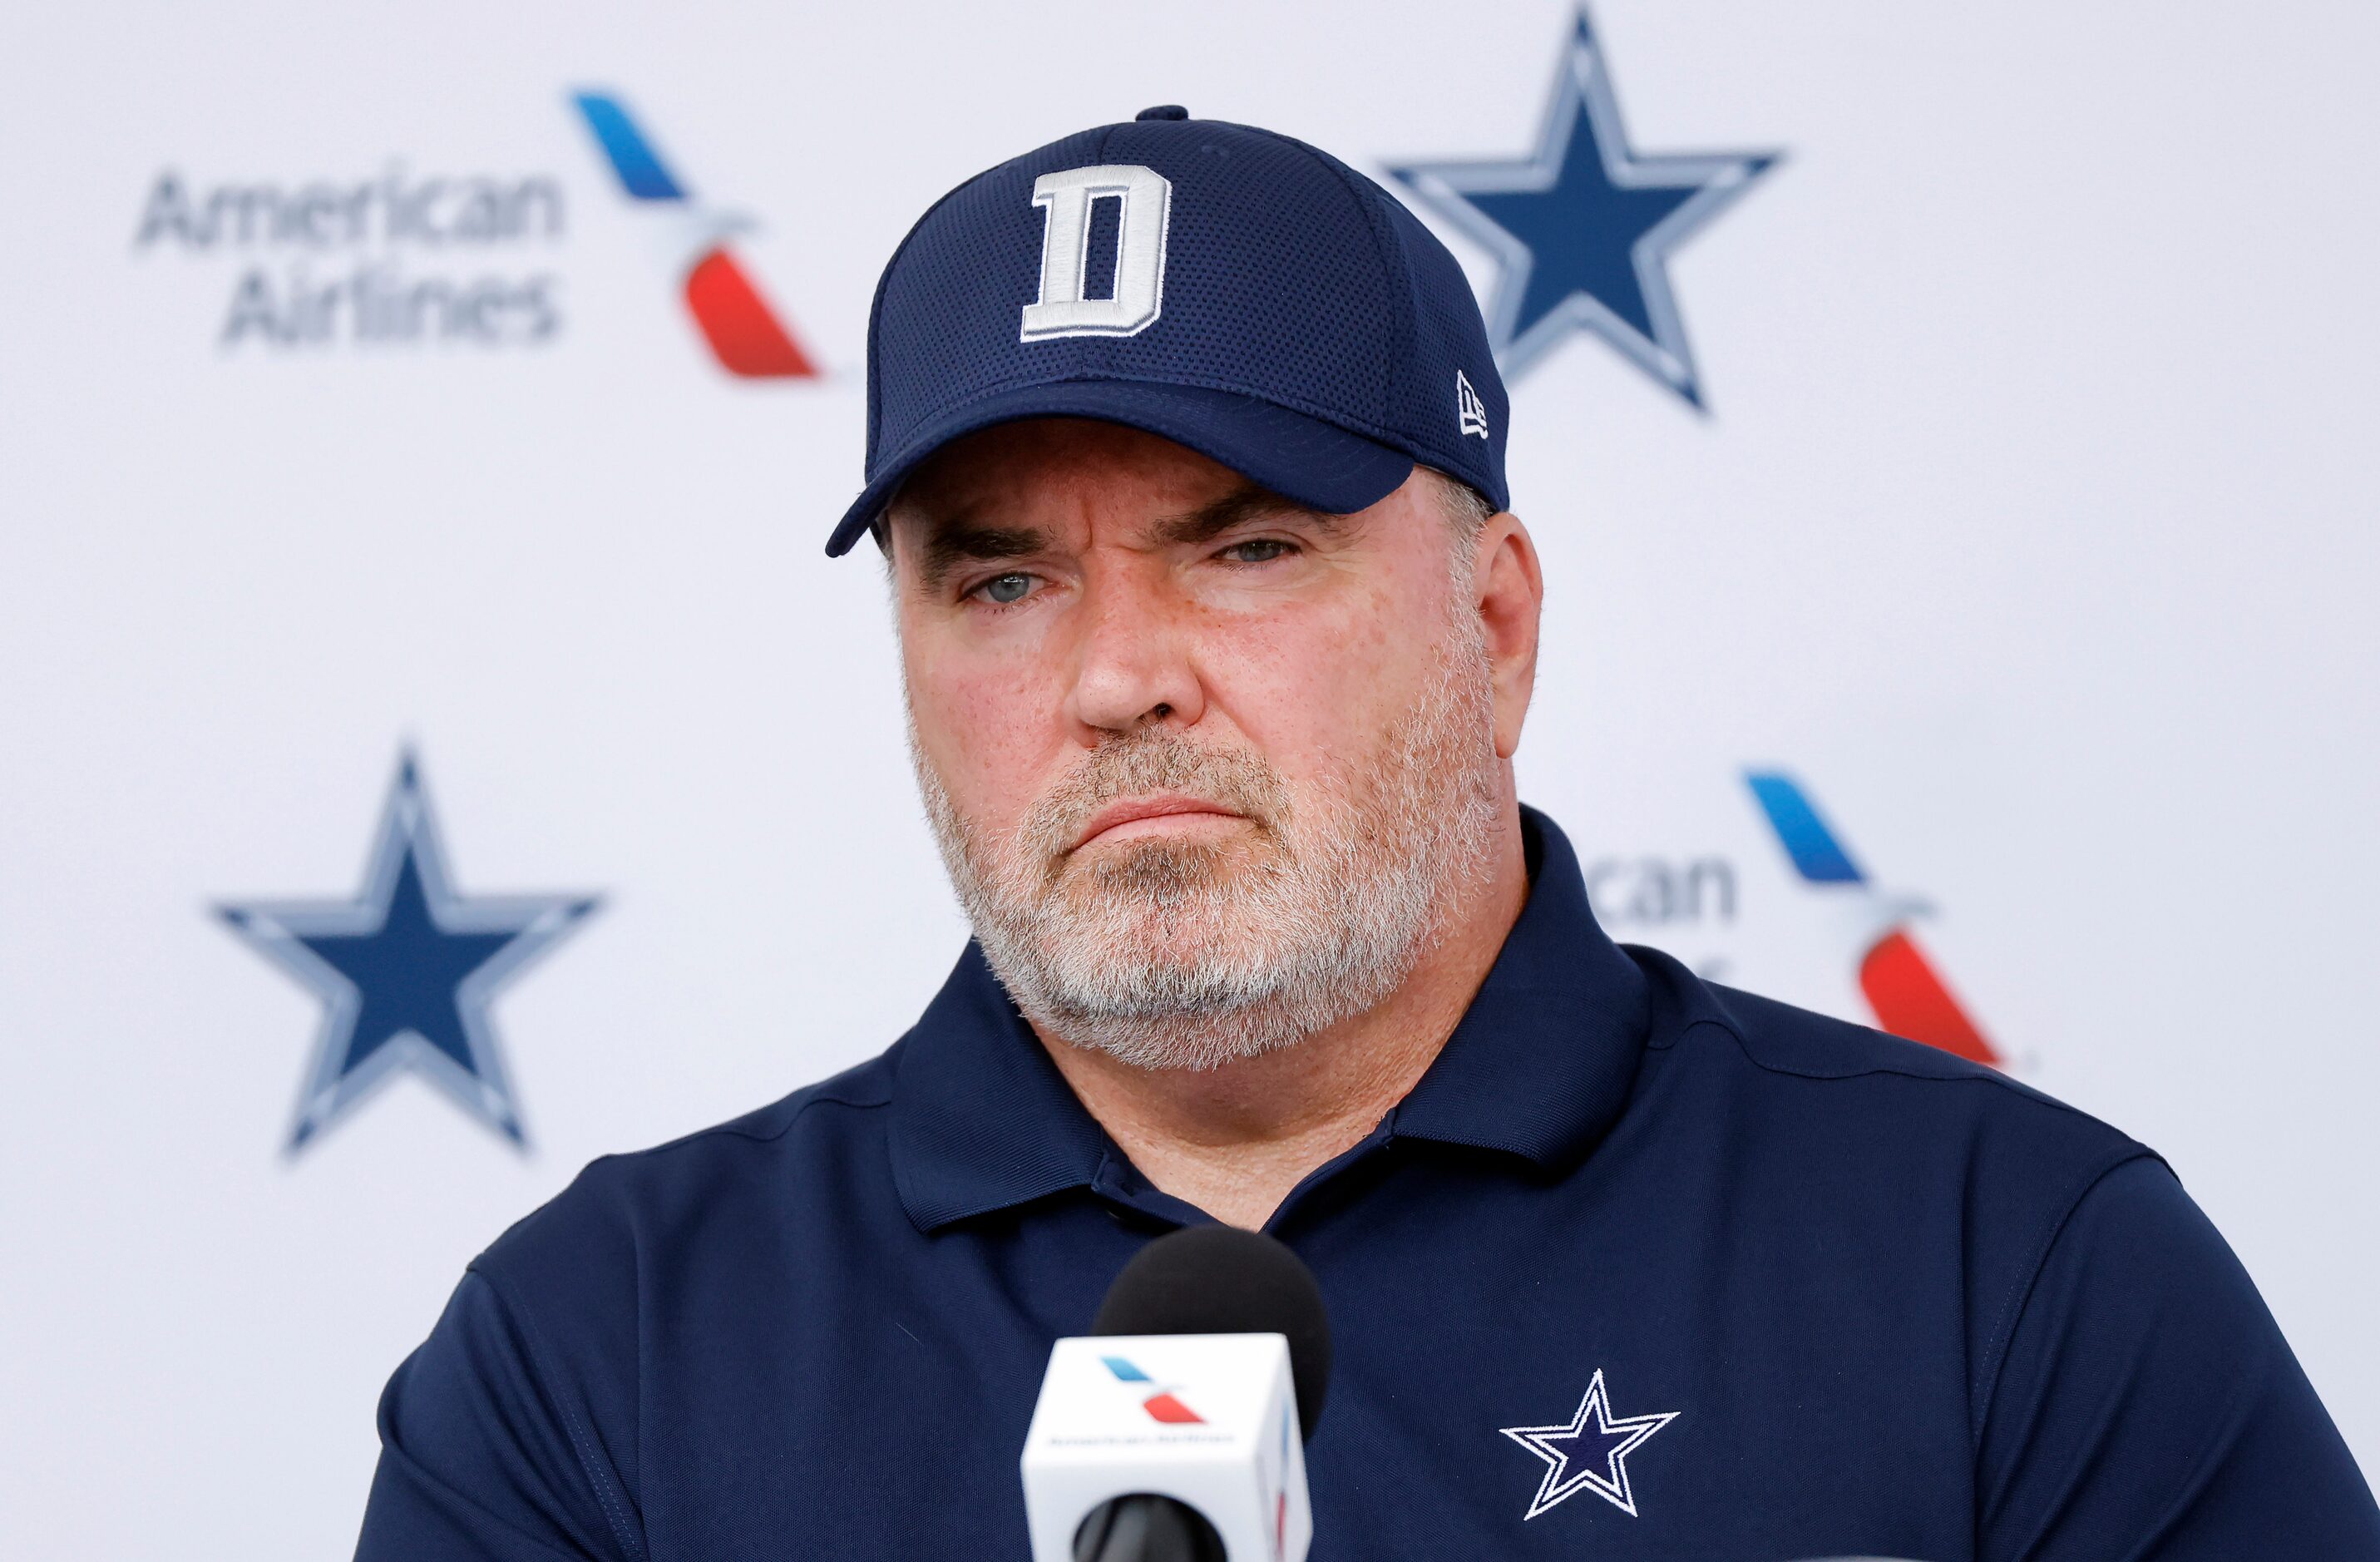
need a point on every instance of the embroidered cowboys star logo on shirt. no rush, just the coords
(1590, 1454)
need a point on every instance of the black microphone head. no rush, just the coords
(1222, 1280)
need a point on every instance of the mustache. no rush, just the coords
(1239, 779)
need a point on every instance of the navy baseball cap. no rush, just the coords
(1228, 288)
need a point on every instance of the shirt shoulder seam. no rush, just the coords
(756, 1136)
(608, 1494)
(1986, 1076)
(2019, 1296)
(1985, 1383)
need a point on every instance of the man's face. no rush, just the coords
(1205, 767)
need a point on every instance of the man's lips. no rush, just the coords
(1128, 817)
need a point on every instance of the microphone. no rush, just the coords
(1175, 1432)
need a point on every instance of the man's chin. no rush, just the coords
(1162, 953)
(1160, 873)
(1153, 1024)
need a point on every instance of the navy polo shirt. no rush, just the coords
(1643, 1267)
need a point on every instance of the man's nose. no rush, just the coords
(1133, 668)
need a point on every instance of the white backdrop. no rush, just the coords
(2030, 528)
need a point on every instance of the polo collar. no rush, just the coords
(981, 1119)
(1544, 1058)
(1540, 1067)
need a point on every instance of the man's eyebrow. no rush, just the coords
(951, 543)
(1249, 502)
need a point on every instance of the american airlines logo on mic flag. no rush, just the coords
(1159, 1403)
(1902, 985)
(745, 335)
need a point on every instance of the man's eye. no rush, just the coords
(1015, 586)
(1258, 550)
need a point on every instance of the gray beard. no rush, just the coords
(1172, 956)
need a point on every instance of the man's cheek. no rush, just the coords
(993, 748)
(1301, 700)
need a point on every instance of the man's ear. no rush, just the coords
(1509, 587)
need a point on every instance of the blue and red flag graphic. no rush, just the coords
(1159, 1403)
(1909, 999)
(746, 336)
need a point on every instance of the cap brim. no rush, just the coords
(1316, 464)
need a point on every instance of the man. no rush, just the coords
(1185, 450)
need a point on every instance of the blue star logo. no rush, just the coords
(1582, 229)
(406, 971)
(1588, 1454)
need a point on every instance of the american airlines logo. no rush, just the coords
(1159, 1403)
(1694, 904)
(746, 336)
(1908, 996)
(385, 261)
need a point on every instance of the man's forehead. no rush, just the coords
(941, 542)
(1040, 461)
(1044, 484)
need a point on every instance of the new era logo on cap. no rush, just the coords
(1470, 412)
(1222, 287)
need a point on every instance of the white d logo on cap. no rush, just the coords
(1061, 311)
